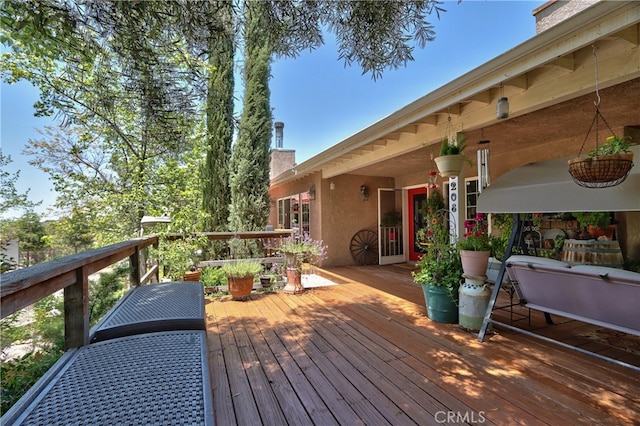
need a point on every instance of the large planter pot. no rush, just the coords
(474, 263)
(441, 305)
(294, 281)
(240, 287)
(449, 165)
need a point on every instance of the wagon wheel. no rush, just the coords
(364, 247)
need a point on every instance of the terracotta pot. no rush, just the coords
(294, 281)
(599, 232)
(192, 275)
(475, 263)
(240, 287)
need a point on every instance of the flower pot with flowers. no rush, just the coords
(475, 246)
(608, 164)
(439, 270)
(475, 249)
(298, 250)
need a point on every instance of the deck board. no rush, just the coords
(364, 352)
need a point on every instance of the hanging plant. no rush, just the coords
(609, 163)
(451, 159)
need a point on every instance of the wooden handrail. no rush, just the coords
(245, 235)
(23, 287)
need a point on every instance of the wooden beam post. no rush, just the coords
(76, 311)
(134, 263)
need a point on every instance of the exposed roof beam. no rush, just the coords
(431, 120)
(631, 34)
(519, 81)
(565, 62)
(484, 97)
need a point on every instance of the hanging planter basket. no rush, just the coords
(609, 163)
(601, 171)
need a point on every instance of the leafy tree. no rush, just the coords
(31, 233)
(10, 198)
(125, 80)
(118, 87)
(73, 232)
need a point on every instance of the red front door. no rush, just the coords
(417, 203)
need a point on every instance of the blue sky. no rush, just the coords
(320, 101)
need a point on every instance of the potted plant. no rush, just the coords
(606, 165)
(439, 273)
(475, 250)
(475, 246)
(451, 160)
(298, 250)
(596, 223)
(240, 275)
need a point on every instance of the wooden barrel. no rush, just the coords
(592, 252)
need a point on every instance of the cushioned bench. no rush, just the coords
(146, 379)
(155, 307)
(607, 297)
(147, 365)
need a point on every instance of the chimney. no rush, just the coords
(279, 125)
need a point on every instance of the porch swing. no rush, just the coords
(546, 187)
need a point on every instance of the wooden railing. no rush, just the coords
(23, 287)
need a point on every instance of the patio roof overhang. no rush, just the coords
(547, 187)
(552, 67)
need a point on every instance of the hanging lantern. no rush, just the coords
(503, 108)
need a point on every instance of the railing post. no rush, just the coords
(157, 274)
(134, 263)
(76, 311)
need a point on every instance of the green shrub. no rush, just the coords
(213, 277)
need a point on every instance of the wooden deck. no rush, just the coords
(364, 352)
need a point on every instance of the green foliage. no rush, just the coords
(31, 233)
(613, 145)
(435, 202)
(18, 375)
(213, 277)
(453, 147)
(178, 256)
(220, 124)
(48, 327)
(440, 265)
(595, 219)
(11, 198)
(241, 268)
(249, 180)
(392, 218)
(104, 293)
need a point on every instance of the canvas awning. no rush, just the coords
(547, 187)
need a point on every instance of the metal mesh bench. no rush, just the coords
(146, 379)
(154, 307)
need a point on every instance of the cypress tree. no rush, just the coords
(249, 180)
(215, 191)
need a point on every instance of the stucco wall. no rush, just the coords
(344, 213)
